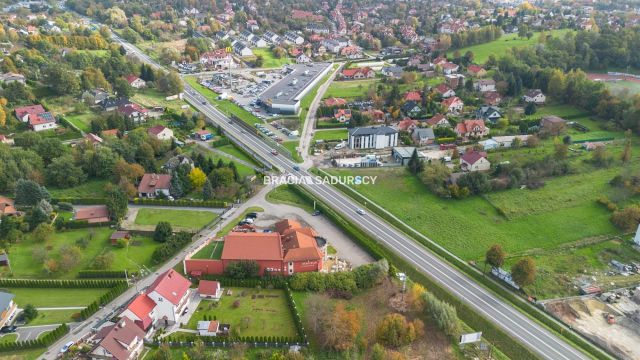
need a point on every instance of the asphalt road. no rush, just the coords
(517, 325)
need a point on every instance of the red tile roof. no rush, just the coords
(131, 78)
(171, 285)
(208, 287)
(286, 224)
(151, 182)
(474, 68)
(451, 101)
(442, 88)
(413, 96)
(436, 119)
(335, 101)
(155, 130)
(468, 125)
(252, 246)
(141, 306)
(471, 157)
(118, 339)
(7, 206)
(300, 247)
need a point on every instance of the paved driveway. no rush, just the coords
(31, 332)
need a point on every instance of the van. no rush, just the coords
(341, 145)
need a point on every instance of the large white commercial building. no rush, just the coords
(372, 137)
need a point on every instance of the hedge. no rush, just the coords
(470, 315)
(65, 284)
(60, 224)
(277, 282)
(103, 274)
(330, 125)
(188, 203)
(80, 201)
(42, 342)
(220, 142)
(445, 140)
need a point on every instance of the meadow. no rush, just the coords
(269, 60)
(330, 135)
(180, 219)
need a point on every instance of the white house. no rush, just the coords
(372, 137)
(485, 85)
(293, 38)
(302, 59)
(208, 328)
(153, 185)
(160, 132)
(208, 289)
(474, 161)
(534, 96)
(136, 82)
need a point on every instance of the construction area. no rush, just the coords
(611, 319)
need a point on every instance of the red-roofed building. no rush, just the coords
(152, 185)
(208, 289)
(453, 104)
(342, 115)
(407, 124)
(492, 98)
(438, 120)
(471, 128)
(413, 96)
(160, 132)
(38, 118)
(476, 70)
(134, 112)
(218, 59)
(335, 102)
(92, 214)
(358, 73)
(141, 311)
(444, 90)
(135, 82)
(121, 341)
(170, 292)
(474, 161)
(93, 139)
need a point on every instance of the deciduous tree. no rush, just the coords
(524, 272)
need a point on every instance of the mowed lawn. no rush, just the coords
(266, 316)
(55, 297)
(617, 87)
(82, 121)
(23, 263)
(212, 250)
(349, 89)
(498, 47)
(237, 153)
(47, 317)
(558, 213)
(269, 60)
(331, 135)
(152, 97)
(89, 189)
(185, 219)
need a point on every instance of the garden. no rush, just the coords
(250, 311)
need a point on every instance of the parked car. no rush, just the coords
(252, 215)
(315, 213)
(8, 329)
(66, 347)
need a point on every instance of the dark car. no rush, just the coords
(8, 329)
(252, 215)
(315, 213)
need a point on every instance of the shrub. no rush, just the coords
(236, 304)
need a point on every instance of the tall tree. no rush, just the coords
(524, 272)
(415, 164)
(494, 256)
(162, 232)
(29, 193)
(117, 203)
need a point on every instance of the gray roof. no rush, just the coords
(406, 152)
(372, 130)
(419, 133)
(287, 90)
(5, 299)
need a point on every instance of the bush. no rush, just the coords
(65, 206)
(444, 315)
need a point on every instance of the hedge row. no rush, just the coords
(262, 341)
(65, 284)
(80, 201)
(220, 142)
(189, 203)
(61, 224)
(477, 276)
(103, 300)
(277, 282)
(330, 125)
(491, 332)
(42, 342)
(302, 335)
(102, 274)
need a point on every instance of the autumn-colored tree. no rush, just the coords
(395, 331)
(415, 298)
(524, 272)
(494, 256)
(627, 219)
(626, 152)
(3, 117)
(340, 330)
(197, 177)
(130, 172)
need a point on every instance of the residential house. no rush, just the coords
(134, 112)
(552, 125)
(342, 115)
(177, 161)
(112, 104)
(153, 185)
(485, 85)
(471, 129)
(258, 42)
(438, 120)
(203, 135)
(331, 102)
(453, 104)
(241, 49)
(93, 139)
(120, 341)
(136, 82)
(454, 80)
(411, 109)
(412, 96)
(8, 78)
(160, 132)
(331, 45)
(94, 97)
(271, 37)
(116, 236)
(449, 68)
(92, 214)
(252, 25)
(423, 136)
(392, 71)
(302, 59)
(208, 328)
(407, 125)
(535, 96)
(7, 308)
(37, 117)
(476, 71)
(7, 207)
(293, 38)
(208, 289)
(218, 59)
(492, 98)
(372, 137)
(489, 113)
(351, 52)
(445, 91)
(358, 73)
(474, 161)
(403, 154)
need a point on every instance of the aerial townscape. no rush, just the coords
(320, 180)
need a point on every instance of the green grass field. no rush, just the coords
(349, 89)
(8, 338)
(470, 226)
(269, 60)
(498, 47)
(282, 195)
(23, 263)
(90, 189)
(619, 87)
(82, 121)
(330, 135)
(268, 316)
(23, 354)
(242, 169)
(212, 251)
(237, 153)
(152, 97)
(54, 297)
(47, 317)
(291, 146)
(185, 219)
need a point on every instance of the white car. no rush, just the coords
(66, 347)
(360, 211)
